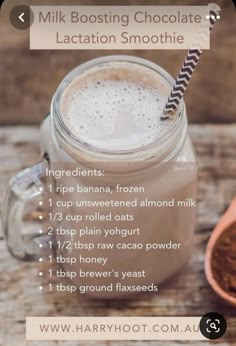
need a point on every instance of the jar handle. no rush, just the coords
(24, 186)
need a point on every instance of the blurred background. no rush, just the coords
(28, 79)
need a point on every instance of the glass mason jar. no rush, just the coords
(166, 168)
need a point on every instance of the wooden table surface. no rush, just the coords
(187, 294)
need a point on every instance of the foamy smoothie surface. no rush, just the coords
(116, 106)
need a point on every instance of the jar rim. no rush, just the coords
(63, 132)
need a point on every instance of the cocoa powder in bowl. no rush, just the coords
(224, 261)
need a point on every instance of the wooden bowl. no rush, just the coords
(225, 222)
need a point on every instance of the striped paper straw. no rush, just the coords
(189, 64)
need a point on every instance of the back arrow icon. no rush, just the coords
(21, 17)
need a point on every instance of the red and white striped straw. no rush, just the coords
(189, 65)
